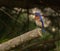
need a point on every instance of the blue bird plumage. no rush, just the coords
(40, 17)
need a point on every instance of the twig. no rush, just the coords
(9, 15)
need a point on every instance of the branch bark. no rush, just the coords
(19, 40)
(37, 44)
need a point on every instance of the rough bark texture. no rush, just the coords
(19, 40)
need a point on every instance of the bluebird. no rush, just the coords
(39, 21)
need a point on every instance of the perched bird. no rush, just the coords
(39, 21)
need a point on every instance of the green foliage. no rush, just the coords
(11, 28)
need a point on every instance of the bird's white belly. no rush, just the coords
(38, 23)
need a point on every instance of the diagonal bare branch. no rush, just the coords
(9, 15)
(19, 40)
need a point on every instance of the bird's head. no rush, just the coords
(37, 14)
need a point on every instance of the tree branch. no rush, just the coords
(10, 16)
(38, 44)
(19, 40)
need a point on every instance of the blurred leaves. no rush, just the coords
(10, 28)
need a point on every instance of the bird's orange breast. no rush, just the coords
(37, 18)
